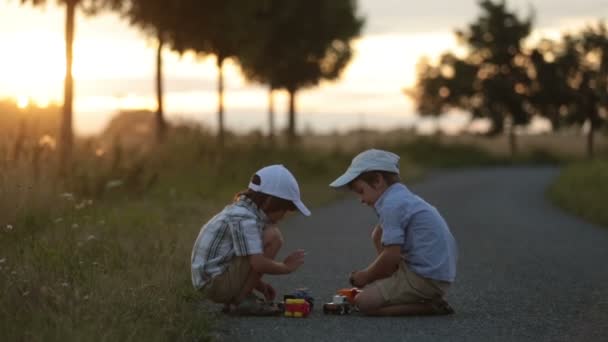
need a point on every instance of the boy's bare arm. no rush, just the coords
(264, 265)
(377, 238)
(383, 266)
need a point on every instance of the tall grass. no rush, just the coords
(582, 188)
(104, 254)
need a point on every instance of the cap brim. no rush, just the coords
(343, 180)
(301, 207)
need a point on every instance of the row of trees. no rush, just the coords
(565, 81)
(286, 45)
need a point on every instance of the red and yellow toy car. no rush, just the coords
(296, 307)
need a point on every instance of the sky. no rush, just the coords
(114, 65)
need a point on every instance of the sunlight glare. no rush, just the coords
(23, 102)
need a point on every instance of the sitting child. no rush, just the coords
(416, 252)
(238, 245)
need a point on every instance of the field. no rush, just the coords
(105, 251)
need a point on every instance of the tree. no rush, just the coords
(502, 83)
(594, 81)
(301, 43)
(216, 28)
(158, 19)
(553, 66)
(66, 134)
(257, 57)
(445, 86)
(491, 81)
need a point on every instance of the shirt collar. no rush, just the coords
(249, 204)
(380, 202)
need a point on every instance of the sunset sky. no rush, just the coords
(114, 65)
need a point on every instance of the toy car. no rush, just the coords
(301, 293)
(350, 294)
(296, 307)
(338, 306)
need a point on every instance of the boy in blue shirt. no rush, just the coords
(416, 252)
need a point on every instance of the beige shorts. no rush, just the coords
(225, 287)
(405, 286)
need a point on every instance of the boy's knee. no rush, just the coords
(365, 305)
(369, 302)
(273, 238)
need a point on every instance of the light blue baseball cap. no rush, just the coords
(369, 160)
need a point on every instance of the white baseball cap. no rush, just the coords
(277, 181)
(369, 160)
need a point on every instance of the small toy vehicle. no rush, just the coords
(350, 294)
(301, 293)
(338, 306)
(296, 307)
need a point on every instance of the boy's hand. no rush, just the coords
(359, 278)
(267, 290)
(294, 260)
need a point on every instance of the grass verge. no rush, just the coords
(582, 188)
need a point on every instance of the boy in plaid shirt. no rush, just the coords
(238, 245)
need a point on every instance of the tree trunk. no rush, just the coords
(271, 113)
(66, 136)
(590, 138)
(220, 109)
(291, 129)
(160, 120)
(19, 142)
(512, 139)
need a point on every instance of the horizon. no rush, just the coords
(370, 88)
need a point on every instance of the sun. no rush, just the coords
(34, 67)
(23, 102)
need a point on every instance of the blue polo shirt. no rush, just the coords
(427, 245)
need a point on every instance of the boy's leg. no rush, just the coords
(273, 241)
(371, 302)
(403, 293)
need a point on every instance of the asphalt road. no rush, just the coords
(526, 270)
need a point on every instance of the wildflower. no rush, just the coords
(68, 196)
(9, 227)
(47, 141)
(113, 183)
(2, 261)
(80, 205)
(65, 284)
(75, 225)
(59, 219)
(86, 297)
(91, 237)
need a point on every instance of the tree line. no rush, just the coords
(284, 44)
(508, 83)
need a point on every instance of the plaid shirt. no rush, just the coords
(235, 231)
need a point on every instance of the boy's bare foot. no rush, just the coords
(253, 306)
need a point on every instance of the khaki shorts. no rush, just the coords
(405, 286)
(225, 287)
